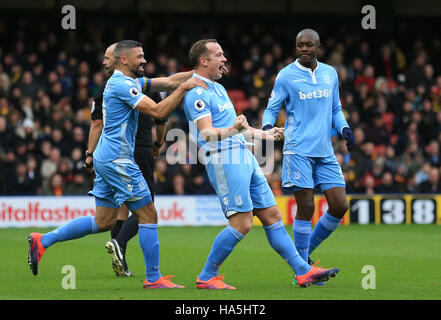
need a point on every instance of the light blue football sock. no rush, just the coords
(302, 232)
(224, 243)
(77, 228)
(149, 242)
(325, 226)
(280, 241)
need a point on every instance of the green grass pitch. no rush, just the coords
(406, 259)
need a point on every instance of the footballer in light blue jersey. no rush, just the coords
(113, 157)
(234, 173)
(309, 90)
(232, 169)
(214, 102)
(119, 180)
(313, 108)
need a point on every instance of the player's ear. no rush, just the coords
(203, 61)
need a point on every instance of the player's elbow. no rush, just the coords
(97, 124)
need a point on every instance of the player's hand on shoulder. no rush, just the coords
(192, 83)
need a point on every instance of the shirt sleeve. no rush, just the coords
(275, 102)
(338, 117)
(145, 84)
(197, 104)
(128, 92)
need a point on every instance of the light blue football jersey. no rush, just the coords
(313, 108)
(120, 118)
(214, 102)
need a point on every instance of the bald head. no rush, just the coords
(307, 46)
(309, 34)
(109, 60)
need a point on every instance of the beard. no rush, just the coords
(139, 72)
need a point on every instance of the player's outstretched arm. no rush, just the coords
(275, 103)
(169, 83)
(172, 82)
(166, 106)
(274, 133)
(209, 133)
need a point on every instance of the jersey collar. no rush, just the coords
(203, 78)
(297, 63)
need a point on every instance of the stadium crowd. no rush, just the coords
(390, 89)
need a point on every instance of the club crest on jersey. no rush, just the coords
(327, 79)
(238, 200)
(296, 174)
(133, 91)
(199, 105)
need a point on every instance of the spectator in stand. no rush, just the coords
(411, 185)
(377, 132)
(49, 166)
(19, 182)
(412, 158)
(428, 126)
(403, 118)
(415, 73)
(162, 185)
(368, 185)
(401, 176)
(55, 187)
(391, 163)
(432, 185)
(432, 153)
(252, 112)
(387, 184)
(7, 136)
(178, 184)
(78, 185)
(368, 78)
(423, 174)
(33, 173)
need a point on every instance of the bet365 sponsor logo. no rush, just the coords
(315, 94)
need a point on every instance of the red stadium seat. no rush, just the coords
(241, 105)
(236, 94)
(388, 119)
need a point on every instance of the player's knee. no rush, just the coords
(340, 209)
(306, 209)
(268, 216)
(105, 224)
(241, 222)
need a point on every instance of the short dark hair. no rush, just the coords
(125, 45)
(197, 50)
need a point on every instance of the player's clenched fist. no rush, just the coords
(276, 133)
(240, 123)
